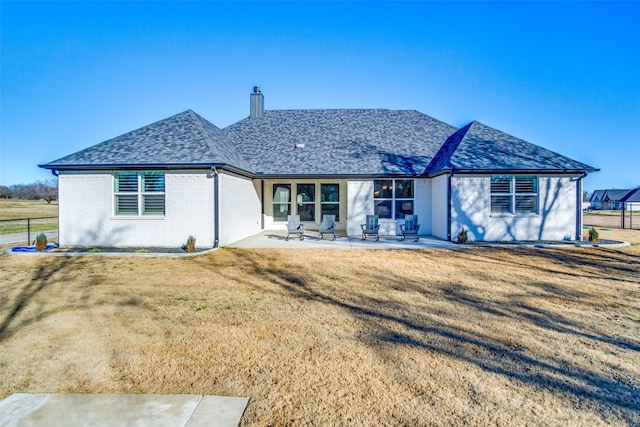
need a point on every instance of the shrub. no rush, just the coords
(594, 236)
(462, 236)
(191, 244)
(41, 242)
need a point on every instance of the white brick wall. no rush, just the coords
(439, 206)
(423, 208)
(86, 212)
(471, 209)
(360, 204)
(240, 209)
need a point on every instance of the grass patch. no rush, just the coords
(14, 209)
(472, 336)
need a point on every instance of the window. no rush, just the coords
(306, 201)
(393, 198)
(139, 193)
(281, 201)
(330, 200)
(514, 194)
(311, 201)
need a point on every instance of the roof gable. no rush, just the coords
(477, 147)
(184, 139)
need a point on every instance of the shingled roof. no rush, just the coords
(183, 140)
(478, 147)
(633, 196)
(339, 142)
(353, 142)
(616, 195)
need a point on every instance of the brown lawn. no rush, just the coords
(17, 209)
(352, 337)
(612, 219)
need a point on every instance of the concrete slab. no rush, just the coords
(276, 240)
(148, 410)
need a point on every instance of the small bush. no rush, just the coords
(463, 236)
(190, 246)
(594, 236)
(41, 242)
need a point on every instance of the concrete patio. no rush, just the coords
(98, 410)
(277, 240)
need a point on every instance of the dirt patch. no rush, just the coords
(475, 336)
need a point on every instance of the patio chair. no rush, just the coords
(294, 226)
(327, 226)
(371, 228)
(410, 227)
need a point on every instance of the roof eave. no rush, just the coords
(262, 175)
(139, 166)
(511, 171)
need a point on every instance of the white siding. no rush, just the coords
(239, 206)
(360, 204)
(471, 209)
(86, 212)
(632, 206)
(439, 206)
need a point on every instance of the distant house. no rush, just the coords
(631, 201)
(183, 176)
(596, 201)
(611, 199)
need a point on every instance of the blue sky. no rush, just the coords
(563, 75)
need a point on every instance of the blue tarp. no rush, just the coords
(30, 248)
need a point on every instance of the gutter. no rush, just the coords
(513, 171)
(155, 166)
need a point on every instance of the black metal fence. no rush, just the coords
(630, 217)
(30, 226)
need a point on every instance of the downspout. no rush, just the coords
(262, 204)
(56, 174)
(216, 209)
(579, 221)
(449, 206)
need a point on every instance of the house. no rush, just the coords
(183, 176)
(631, 202)
(597, 199)
(611, 199)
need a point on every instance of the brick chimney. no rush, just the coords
(256, 103)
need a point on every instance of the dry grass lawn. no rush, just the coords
(612, 219)
(338, 337)
(12, 209)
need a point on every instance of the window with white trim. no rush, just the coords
(139, 193)
(281, 201)
(306, 201)
(393, 198)
(514, 194)
(330, 200)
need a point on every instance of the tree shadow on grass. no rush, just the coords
(387, 322)
(586, 263)
(28, 306)
(41, 279)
